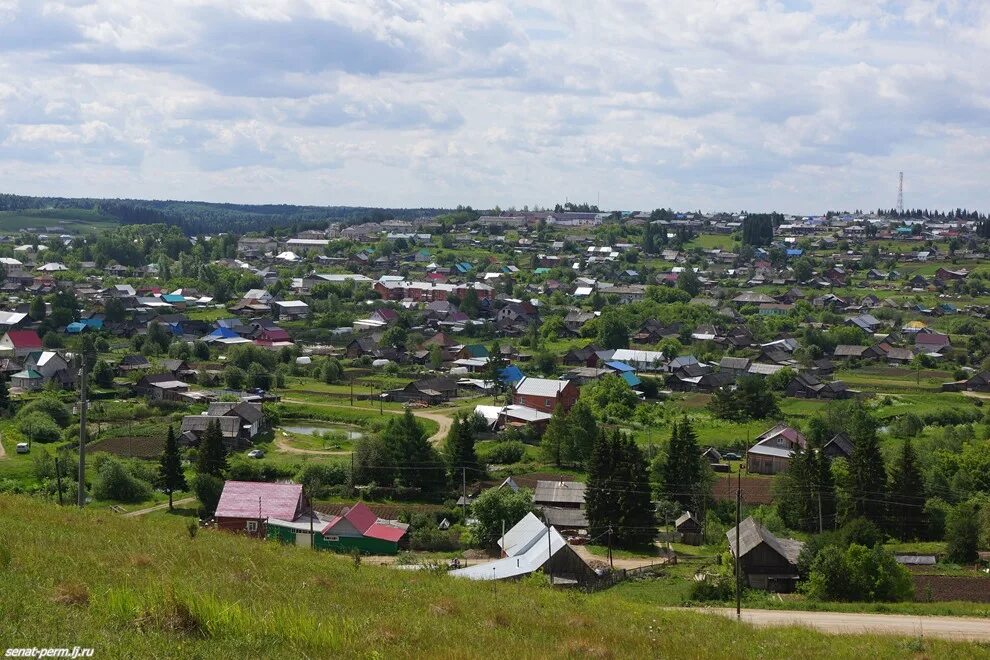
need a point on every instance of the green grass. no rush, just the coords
(74, 220)
(144, 588)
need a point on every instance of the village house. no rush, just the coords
(19, 343)
(766, 562)
(355, 528)
(246, 506)
(545, 394)
(773, 450)
(526, 549)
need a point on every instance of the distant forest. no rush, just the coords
(210, 218)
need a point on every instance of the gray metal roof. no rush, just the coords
(559, 492)
(752, 534)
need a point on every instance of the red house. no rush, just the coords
(272, 336)
(20, 342)
(246, 506)
(544, 394)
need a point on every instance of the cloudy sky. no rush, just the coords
(797, 105)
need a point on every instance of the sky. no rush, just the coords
(790, 105)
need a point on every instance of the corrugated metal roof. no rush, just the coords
(560, 492)
(256, 499)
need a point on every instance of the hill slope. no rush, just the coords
(143, 587)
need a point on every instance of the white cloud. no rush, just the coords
(799, 105)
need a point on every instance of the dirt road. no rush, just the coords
(442, 421)
(945, 627)
(158, 507)
(625, 562)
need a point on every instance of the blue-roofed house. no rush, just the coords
(794, 252)
(632, 380)
(621, 367)
(77, 327)
(463, 267)
(173, 299)
(511, 374)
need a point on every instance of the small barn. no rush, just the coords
(689, 528)
(767, 562)
(526, 548)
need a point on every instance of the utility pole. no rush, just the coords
(502, 544)
(611, 565)
(464, 492)
(81, 494)
(58, 480)
(738, 515)
(549, 548)
(821, 525)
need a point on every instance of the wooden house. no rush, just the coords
(766, 562)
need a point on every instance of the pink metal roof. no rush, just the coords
(385, 532)
(240, 499)
(361, 517)
(366, 522)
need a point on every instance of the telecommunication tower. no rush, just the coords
(900, 192)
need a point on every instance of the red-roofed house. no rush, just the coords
(273, 337)
(20, 342)
(932, 342)
(354, 528)
(247, 506)
(773, 450)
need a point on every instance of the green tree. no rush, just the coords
(171, 478)
(907, 495)
(556, 437)
(866, 467)
(617, 494)
(212, 456)
(4, 397)
(38, 309)
(419, 465)
(687, 280)
(103, 374)
(208, 490)
(459, 449)
(962, 532)
(612, 330)
(858, 573)
(584, 431)
(682, 470)
(498, 507)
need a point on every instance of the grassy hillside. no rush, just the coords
(73, 220)
(133, 587)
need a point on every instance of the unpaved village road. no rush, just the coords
(944, 627)
(443, 421)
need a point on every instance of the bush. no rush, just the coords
(858, 573)
(862, 532)
(244, 469)
(208, 489)
(496, 506)
(319, 479)
(505, 453)
(51, 406)
(115, 482)
(39, 427)
(713, 587)
(962, 532)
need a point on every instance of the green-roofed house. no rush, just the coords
(473, 351)
(27, 380)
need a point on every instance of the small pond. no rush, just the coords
(308, 428)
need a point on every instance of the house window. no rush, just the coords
(252, 525)
(546, 402)
(332, 539)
